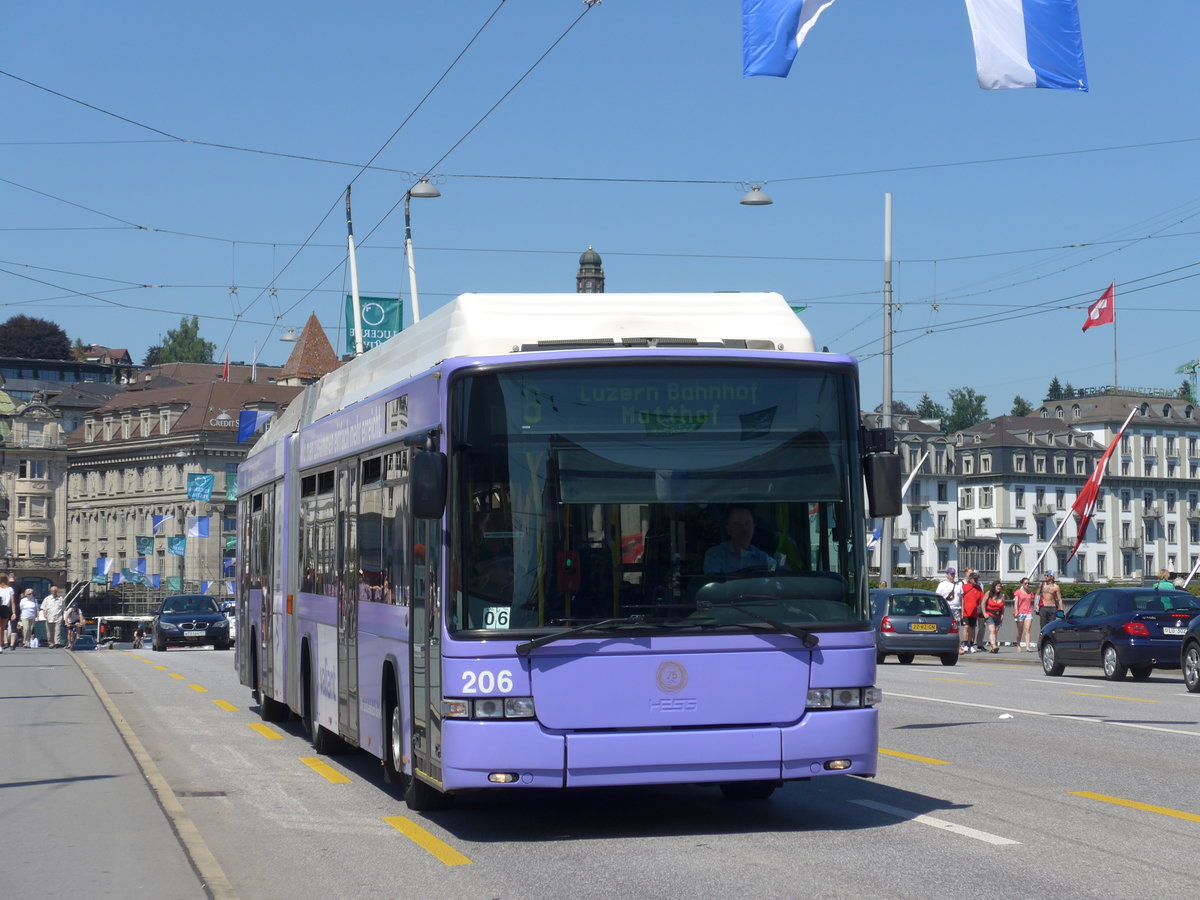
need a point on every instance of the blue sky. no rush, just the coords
(633, 135)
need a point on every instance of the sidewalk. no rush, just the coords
(73, 788)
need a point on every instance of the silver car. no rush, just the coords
(911, 623)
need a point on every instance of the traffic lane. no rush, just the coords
(665, 841)
(71, 785)
(669, 841)
(1012, 757)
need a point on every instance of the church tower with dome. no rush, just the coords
(590, 278)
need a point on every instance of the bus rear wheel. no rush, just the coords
(393, 768)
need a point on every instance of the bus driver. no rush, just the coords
(738, 552)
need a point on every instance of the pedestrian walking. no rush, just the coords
(1164, 581)
(993, 611)
(52, 609)
(28, 616)
(1049, 600)
(1023, 609)
(972, 604)
(8, 611)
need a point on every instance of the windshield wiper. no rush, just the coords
(807, 638)
(523, 649)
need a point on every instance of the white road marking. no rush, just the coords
(1034, 712)
(936, 823)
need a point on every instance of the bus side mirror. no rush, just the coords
(881, 470)
(429, 484)
(882, 473)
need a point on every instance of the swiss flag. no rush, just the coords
(1101, 312)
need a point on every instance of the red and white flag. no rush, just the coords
(225, 371)
(1103, 310)
(1084, 506)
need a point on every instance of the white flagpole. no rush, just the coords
(1191, 574)
(1114, 313)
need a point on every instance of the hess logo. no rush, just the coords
(673, 704)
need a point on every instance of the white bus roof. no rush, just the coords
(496, 324)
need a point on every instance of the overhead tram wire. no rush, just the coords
(1035, 309)
(588, 5)
(811, 177)
(364, 168)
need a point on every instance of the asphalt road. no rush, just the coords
(995, 780)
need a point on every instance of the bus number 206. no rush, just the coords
(487, 682)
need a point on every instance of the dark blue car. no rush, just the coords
(1135, 630)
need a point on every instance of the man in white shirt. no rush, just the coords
(52, 609)
(951, 590)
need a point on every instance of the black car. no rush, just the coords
(1135, 630)
(1189, 657)
(190, 620)
(911, 622)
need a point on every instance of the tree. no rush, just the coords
(1068, 391)
(927, 409)
(79, 350)
(899, 408)
(153, 356)
(1055, 391)
(1187, 393)
(966, 409)
(184, 344)
(24, 337)
(1020, 406)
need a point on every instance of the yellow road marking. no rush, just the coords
(148, 662)
(1144, 807)
(1111, 697)
(265, 730)
(176, 675)
(226, 705)
(198, 689)
(161, 668)
(964, 681)
(434, 846)
(924, 759)
(326, 771)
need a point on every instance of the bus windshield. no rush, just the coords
(707, 496)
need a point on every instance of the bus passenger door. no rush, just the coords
(347, 627)
(426, 650)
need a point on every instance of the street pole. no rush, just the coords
(408, 256)
(354, 299)
(885, 548)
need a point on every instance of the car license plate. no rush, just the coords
(1174, 630)
(923, 626)
(193, 634)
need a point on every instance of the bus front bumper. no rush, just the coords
(475, 753)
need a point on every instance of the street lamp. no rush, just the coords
(421, 189)
(755, 197)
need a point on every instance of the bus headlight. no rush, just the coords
(843, 698)
(489, 708)
(518, 708)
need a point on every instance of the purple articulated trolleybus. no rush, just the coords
(542, 541)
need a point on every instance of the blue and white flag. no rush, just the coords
(204, 586)
(157, 522)
(250, 420)
(1027, 44)
(197, 526)
(104, 565)
(155, 581)
(772, 32)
